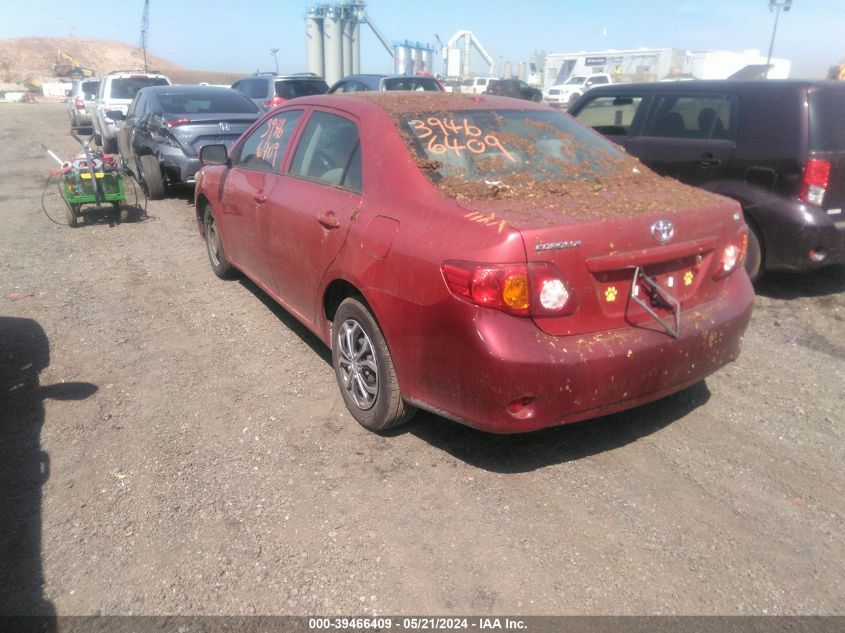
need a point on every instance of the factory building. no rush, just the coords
(654, 64)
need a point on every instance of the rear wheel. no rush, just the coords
(214, 245)
(151, 178)
(72, 215)
(754, 254)
(364, 369)
(109, 146)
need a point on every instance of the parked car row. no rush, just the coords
(492, 259)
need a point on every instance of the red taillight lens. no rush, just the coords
(535, 289)
(733, 255)
(275, 101)
(79, 103)
(177, 122)
(815, 181)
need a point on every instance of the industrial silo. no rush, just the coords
(416, 56)
(332, 45)
(427, 60)
(346, 29)
(314, 41)
(400, 59)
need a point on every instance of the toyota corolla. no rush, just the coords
(488, 260)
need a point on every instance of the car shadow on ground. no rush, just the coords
(288, 320)
(818, 283)
(526, 451)
(24, 467)
(531, 451)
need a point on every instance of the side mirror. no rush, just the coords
(116, 115)
(214, 155)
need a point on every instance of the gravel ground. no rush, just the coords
(174, 444)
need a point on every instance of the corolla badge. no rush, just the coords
(663, 231)
(224, 126)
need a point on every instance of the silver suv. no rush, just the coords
(80, 102)
(268, 90)
(117, 89)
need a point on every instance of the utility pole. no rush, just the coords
(275, 53)
(145, 29)
(776, 6)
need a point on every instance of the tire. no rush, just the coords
(72, 216)
(364, 369)
(221, 266)
(151, 178)
(754, 254)
(109, 146)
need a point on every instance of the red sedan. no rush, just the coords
(489, 260)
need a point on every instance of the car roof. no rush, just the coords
(710, 85)
(408, 102)
(177, 88)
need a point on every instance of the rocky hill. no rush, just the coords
(33, 60)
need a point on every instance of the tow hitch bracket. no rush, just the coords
(660, 294)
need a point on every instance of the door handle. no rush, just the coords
(260, 198)
(329, 220)
(707, 160)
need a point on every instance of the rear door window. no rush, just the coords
(704, 116)
(612, 116)
(827, 120)
(89, 89)
(264, 149)
(252, 88)
(328, 151)
(292, 88)
(128, 87)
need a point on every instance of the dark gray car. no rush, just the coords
(166, 126)
(363, 83)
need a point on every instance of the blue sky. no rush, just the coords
(237, 35)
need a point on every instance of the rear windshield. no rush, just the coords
(203, 102)
(89, 89)
(503, 153)
(410, 83)
(827, 122)
(127, 87)
(293, 88)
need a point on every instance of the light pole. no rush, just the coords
(776, 6)
(275, 53)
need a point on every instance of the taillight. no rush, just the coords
(275, 101)
(815, 181)
(534, 289)
(733, 255)
(80, 104)
(176, 122)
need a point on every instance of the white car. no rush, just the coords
(117, 89)
(475, 85)
(565, 94)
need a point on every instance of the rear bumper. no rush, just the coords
(476, 366)
(792, 230)
(176, 164)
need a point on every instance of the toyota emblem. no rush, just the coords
(663, 231)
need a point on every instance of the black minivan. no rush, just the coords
(775, 146)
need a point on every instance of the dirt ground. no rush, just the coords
(175, 444)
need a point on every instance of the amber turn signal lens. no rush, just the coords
(515, 292)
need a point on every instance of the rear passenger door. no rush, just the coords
(690, 136)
